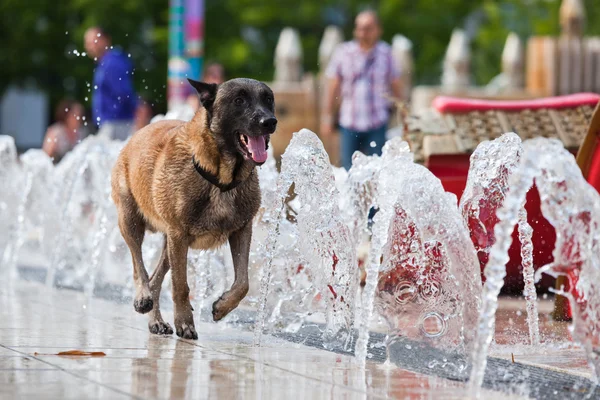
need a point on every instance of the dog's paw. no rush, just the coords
(143, 304)
(220, 309)
(160, 328)
(186, 331)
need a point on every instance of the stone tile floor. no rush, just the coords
(38, 322)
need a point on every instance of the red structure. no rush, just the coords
(453, 169)
(588, 159)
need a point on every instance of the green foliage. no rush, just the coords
(426, 23)
(525, 18)
(39, 36)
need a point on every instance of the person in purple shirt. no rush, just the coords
(362, 73)
(113, 97)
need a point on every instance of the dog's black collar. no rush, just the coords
(215, 180)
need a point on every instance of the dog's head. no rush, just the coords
(241, 115)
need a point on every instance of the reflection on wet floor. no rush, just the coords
(556, 352)
(223, 364)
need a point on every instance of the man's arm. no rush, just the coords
(331, 95)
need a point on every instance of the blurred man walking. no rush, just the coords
(363, 73)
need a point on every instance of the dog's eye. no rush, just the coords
(269, 100)
(239, 101)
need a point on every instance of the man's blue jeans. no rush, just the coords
(369, 142)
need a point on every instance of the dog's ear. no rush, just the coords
(206, 91)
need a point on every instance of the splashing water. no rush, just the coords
(422, 277)
(62, 238)
(381, 221)
(9, 170)
(16, 239)
(35, 164)
(428, 286)
(101, 188)
(529, 292)
(358, 189)
(211, 275)
(304, 246)
(8, 153)
(492, 164)
(572, 206)
(323, 242)
(84, 201)
(273, 224)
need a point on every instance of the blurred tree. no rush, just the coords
(428, 24)
(41, 39)
(42, 44)
(242, 34)
(524, 17)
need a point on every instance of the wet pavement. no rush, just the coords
(39, 322)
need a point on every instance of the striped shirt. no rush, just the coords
(365, 81)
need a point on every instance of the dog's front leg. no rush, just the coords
(240, 250)
(177, 253)
(156, 324)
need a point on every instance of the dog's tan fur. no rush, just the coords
(156, 187)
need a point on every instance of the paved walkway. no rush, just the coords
(38, 323)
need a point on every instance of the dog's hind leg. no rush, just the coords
(240, 250)
(156, 324)
(133, 228)
(177, 254)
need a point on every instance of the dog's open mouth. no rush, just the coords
(255, 147)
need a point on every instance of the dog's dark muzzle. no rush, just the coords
(268, 125)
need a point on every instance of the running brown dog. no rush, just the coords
(195, 182)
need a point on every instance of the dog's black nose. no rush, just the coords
(269, 123)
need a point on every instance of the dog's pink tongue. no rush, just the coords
(257, 146)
